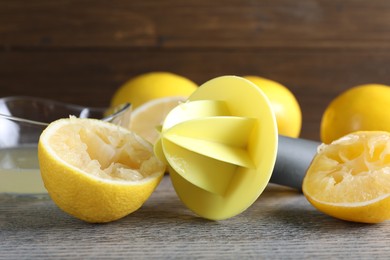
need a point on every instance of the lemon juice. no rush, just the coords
(19, 171)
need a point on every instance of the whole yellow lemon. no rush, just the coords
(152, 85)
(284, 104)
(361, 108)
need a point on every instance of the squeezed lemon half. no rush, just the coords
(97, 171)
(146, 118)
(350, 178)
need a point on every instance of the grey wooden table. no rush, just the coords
(281, 224)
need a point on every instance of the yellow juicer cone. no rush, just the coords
(221, 147)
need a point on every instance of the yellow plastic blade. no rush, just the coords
(197, 109)
(206, 173)
(229, 146)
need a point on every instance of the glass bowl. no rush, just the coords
(22, 120)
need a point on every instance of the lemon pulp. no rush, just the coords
(97, 171)
(350, 178)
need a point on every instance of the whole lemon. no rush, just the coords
(152, 85)
(284, 104)
(360, 108)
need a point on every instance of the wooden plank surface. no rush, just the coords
(314, 77)
(67, 50)
(202, 23)
(281, 224)
(82, 51)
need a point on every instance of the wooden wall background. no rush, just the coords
(82, 51)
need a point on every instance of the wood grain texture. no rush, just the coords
(281, 224)
(82, 51)
(178, 24)
(92, 77)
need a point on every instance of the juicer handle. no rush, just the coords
(293, 159)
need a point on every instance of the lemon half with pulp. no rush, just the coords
(97, 171)
(350, 178)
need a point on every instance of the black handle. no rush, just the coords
(293, 158)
